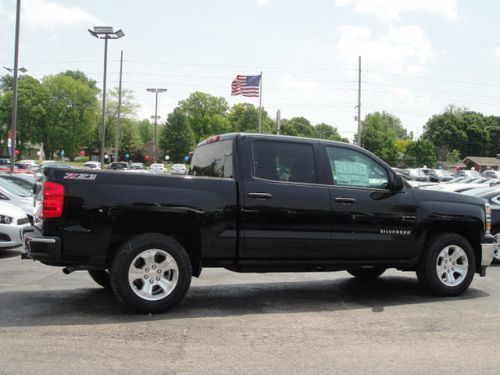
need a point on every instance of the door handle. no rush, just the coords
(345, 200)
(260, 195)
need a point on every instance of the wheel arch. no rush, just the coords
(183, 227)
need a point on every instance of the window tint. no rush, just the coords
(282, 161)
(213, 160)
(352, 168)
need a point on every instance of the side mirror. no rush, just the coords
(397, 183)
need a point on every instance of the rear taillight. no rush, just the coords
(53, 200)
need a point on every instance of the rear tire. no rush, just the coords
(447, 266)
(151, 273)
(101, 277)
(366, 273)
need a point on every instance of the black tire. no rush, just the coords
(496, 255)
(434, 280)
(101, 277)
(366, 273)
(122, 262)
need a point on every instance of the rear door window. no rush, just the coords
(284, 161)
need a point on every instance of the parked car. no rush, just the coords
(492, 196)
(469, 173)
(490, 173)
(157, 168)
(415, 174)
(178, 169)
(137, 166)
(119, 166)
(17, 196)
(13, 221)
(258, 203)
(25, 181)
(440, 175)
(92, 165)
(54, 164)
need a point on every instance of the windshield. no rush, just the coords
(14, 189)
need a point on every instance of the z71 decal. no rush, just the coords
(80, 176)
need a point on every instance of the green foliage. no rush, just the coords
(492, 124)
(130, 139)
(128, 109)
(206, 115)
(421, 152)
(462, 130)
(453, 157)
(297, 126)
(244, 117)
(176, 137)
(325, 131)
(32, 99)
(380, 132)
(71, 111)
(146, 131)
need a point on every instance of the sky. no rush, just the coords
(418, 56)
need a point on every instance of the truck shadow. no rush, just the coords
(98, 306)
(11, 253)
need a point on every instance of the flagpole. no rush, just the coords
(260, 104)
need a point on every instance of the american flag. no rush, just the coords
(246, 85)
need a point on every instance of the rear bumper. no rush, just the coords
(38, 247)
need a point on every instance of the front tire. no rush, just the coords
(151, 273)
(366, 273)
(447, 266)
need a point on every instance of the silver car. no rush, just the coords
(19, 197)
(12, 222)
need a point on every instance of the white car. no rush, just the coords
(178, 169)
(92, 165)
(157, 168)
(17, 196)
(12, 222)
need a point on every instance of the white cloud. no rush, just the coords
(264, 2)
(400, 49)
(50, 15)
(392, 9)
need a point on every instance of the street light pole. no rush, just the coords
(117, 129)
(156, 117)
(106, 33)
(14, 90)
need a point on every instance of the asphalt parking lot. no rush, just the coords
(316, 323)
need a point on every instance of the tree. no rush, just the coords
(244, 117)
(298, 126)
(459, 129)
(453, 157)
(380, 132)
(72, 110)
(31, 111)
(80, 76)
(176, 137)
(130, 139)
(146, 130)
(422, 152)
(492, 124)
(325, 131)
(127, 111)
(206, 115)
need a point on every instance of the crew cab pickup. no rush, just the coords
(256, 203)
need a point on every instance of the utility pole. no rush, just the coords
(359, 103)
(117, 130)
(156, 117)
(14, 91)
(278, 121)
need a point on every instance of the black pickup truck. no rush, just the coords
(256, 203)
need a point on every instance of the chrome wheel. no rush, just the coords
(496, 253)
(452, 265)
(153, 274)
